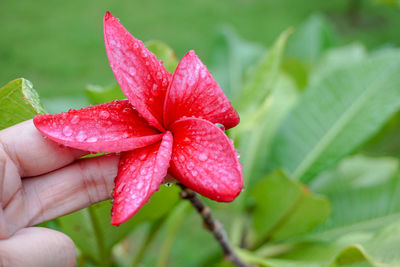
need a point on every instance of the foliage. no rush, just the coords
(319, 147)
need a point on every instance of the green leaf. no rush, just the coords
(361, 201)
(262, 78)
(284, 208)
(99, 95)
(356, 172)
(18, 102)
(311, 39)
(231, 56)
(337, 115)
(253, 136)
(355, 250)
(91, 230)
(336, 58)
(387, 141)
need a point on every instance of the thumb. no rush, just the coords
(36, 246)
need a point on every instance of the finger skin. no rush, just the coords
(37, 247)
(61, 192)
(32, 153)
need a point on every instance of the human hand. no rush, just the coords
(39, 181)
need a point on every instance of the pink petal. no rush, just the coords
(110, 127)
(142, 78)
(194, 92)
(140, 174)
(204, 159)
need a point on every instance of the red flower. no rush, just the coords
(168, 124)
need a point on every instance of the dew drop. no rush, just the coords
(158, 75)
(126, 110)
(125, 135)
(136, 46)
(147, 63)
(92, 139)
(143, 156)
(194, 173)
(132, 71)
(75, 119)
(187, 140)
(221, 126)
(203, 156)
(143, 171)
(203, 73)
(182, 158)
(238, 153)
(81, 136)
(139, 185)
(67, 131)
(148, 77)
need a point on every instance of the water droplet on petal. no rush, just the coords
(203, 156)
(104, 114)
(143, 156)
(125, 135)
(238, 153)
(139, 185)
(143, 171)
(67, 131)
(75, 119)
(136, 46)
(158, 75)
(182, 158)
(81, 136)
(92, 139)
(221, 126)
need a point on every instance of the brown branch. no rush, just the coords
(212, 225)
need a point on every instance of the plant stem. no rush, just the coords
(212, 225)
(103, 255)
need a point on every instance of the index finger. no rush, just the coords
(32, 153)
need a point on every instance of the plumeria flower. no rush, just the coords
(168, 124)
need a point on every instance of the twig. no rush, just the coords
(212, 225)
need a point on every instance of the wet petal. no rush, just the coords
(194, 92)
(110, 127)
(204, 159)
(142, 78)
(140, 174)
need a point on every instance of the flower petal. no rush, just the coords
(194, 92)
(140, 174)
(204, 159)
(110, 127)
(142, 78)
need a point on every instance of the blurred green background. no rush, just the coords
(58, 45)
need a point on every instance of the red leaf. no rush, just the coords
(204, 159)
(142, 78)
(139, 175)
(194, 92)
(110, 127)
